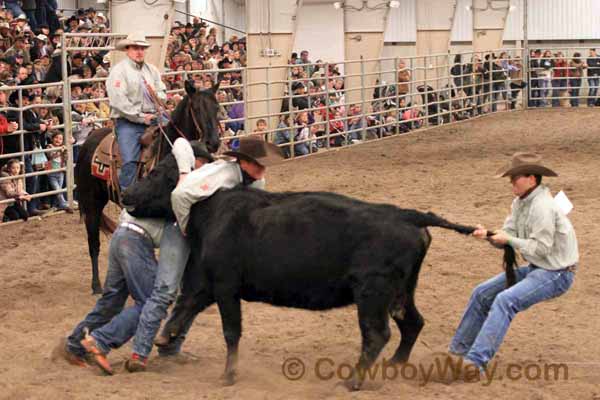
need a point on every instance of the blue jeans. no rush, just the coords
(544, 90)
(593, 83)
(492, 307)
(131, 271)
(56, 180)
(574, 88)
(174, 254)
(558, 86)
(128, 137)
(14, 7)
(32, 185)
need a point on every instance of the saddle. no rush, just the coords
(106, 161)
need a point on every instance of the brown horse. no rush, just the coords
(195, 117)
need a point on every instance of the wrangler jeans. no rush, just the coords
(131, 271)
(128, 137)
(174, 254)
(593, 82)
(492, 307)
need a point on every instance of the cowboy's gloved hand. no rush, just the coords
(184, 155)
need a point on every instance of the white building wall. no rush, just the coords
(462, 29)
(402, 23)
(555, 20)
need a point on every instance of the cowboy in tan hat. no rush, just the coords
(128, 87)
(542, 233)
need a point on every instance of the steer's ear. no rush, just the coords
(190, 89)
(215, 88)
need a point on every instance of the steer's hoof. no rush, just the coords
(353, 384)
(96, 289)
(228, 379)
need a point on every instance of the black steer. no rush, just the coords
(311, 250)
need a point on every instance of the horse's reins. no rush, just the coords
(160, 106)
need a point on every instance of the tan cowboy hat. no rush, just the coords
(257, 151)
(523, 163)
(133, 39)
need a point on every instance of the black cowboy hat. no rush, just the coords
(257, 151)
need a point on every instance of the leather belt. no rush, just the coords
(570, 268)
(135, 228)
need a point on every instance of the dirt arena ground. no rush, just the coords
(44, 280)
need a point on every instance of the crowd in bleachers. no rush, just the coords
(485, 83)
(315, 111)
(30, 54)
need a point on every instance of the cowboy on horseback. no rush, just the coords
(133, 86)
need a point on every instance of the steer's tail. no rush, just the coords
(423, 220)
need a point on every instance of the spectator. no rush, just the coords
(516, 80)
(283, 135)
(478, 71)
(404, 77)
(593, 65)
(559, 78)
(13, 189)
(261, 129)
(57, 160)
(304, 133)
(534, 67)
(99, 108)
(545, 77)
(575, 73)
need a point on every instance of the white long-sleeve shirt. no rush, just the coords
(203, 183)
(541, 232)
(125, 90)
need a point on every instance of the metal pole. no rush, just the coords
(245, 91)
(363, 118)
(491, 86)
(327, 106)
(67, 119)
(223, 22)
(292, 120)
(450, 86)
(525, 58)
(397, 86)
(425, 86)
(269, 136)
(22, 135)
(381, 117)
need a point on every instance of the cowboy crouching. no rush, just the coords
(132, 271)
(542, 233)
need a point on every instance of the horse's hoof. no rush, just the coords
(228, 379)
(96, 290)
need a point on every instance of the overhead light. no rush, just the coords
(512, 8)
(337, 5)
(468, 8)
(394, 4)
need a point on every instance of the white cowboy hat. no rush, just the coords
(133, 39)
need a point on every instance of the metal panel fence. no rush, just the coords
(310, 108)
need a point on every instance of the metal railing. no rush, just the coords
(309, 108)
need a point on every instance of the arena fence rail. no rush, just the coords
(310, 108)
